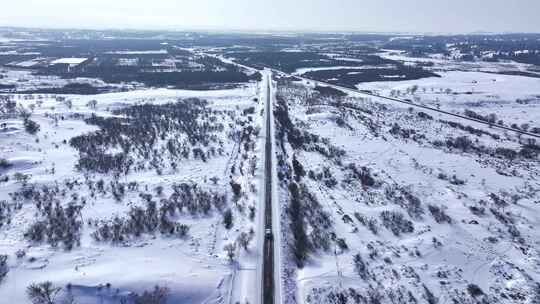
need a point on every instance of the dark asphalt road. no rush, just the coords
(268, 247)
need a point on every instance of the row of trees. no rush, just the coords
(527, 151)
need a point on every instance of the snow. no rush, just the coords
(195, 269)
(70, 61)
(478, 91)
(466, 256)
(25, 80)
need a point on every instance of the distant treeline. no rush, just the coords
(351, 77)
(291, 61)
(72, 88)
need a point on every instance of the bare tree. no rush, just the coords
(92, 104)
(244, 239)
(230, 249)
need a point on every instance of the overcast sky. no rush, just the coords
(317, 15)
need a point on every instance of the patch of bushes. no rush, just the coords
(490, 118)
(396, 222)
(360, 266)
(439, 214)
(474, 290)
(30, 126)
(370, 223)
(362, 174)
(424, 115)
(140, 220)
(144, 135)
(301, 244)
(228, 219)
(60, 225)
(158, 295)
(3, 266)
(5, 164)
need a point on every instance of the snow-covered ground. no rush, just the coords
(25, 80)
(514, 99)
(70, 61)
(396, 211)
(194, 268)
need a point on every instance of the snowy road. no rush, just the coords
(268, 283)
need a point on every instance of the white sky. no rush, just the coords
(361, 15)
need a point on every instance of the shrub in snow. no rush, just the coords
(299, 171)
(396, 222)
(456, 181)
(8, 106)
(498, 201)
(5, 212)
(360, 266)
(506, 153)
(430, 297)
(60, 225)
(3, 266)
(245, 238)
(491, 118)
(362, 174)
(4, 163)
(228, 219)
(157, 296)
(474, 290)
(462, 143)
(424, 115)
(342, 244)
(530, 151)
(370, 223)
(478, 211)
(21, 177)
(31, 126)
(251, 212)
(230, 249)
(439, 215)
(406, 199)
(237, 189)
(300, 246)
(42, 293)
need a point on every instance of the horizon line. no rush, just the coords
(210, 29)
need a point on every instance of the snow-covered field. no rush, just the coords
(70, 61)
(25, 80)
(194, 266)
(514, 99)
(402, 206)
